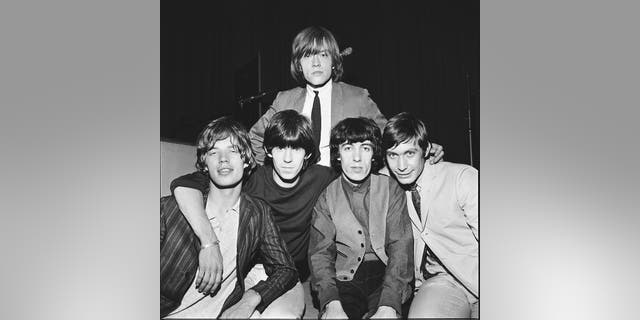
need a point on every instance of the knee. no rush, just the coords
(281, 311)
(288, 306)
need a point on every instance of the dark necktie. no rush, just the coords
(415, 198)
(316, 122)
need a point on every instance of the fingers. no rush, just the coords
(199, 277)
(207, 283)
(217, 278)
(438, 153)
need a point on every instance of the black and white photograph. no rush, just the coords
(320, 160)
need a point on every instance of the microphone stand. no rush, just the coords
(469, 130)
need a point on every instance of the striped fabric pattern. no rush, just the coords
(258, 238)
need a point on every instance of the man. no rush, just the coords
(244, 227)
(360, 249)
(443, 207)
(288, 182)
(316, 64)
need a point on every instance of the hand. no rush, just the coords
(385, 312)
(244, 308)
(436, 152)
(209, 270)
(334, 310)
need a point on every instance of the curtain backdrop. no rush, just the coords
(415, 56)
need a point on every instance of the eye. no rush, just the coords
(411, 153)
(392, 155)
(367, 148)
(346, 148)
(324, 54)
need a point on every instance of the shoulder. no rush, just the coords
(458, 168)
(394, 186)
(318, 172)
(291, 93)
(349, 88)
(458, 172)
(355, 101)
(331, 188)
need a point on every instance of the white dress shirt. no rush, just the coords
(324, 93)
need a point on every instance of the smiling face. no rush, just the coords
(316, 68)
(355, 160)
(406, 161)
(287, 165)
(225, 164)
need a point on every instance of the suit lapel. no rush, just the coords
(242, 243)
(428, 181)
(298, 102)
(336, 103)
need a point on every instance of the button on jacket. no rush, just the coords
(336, 248)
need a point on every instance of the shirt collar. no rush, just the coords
(235, 208)
(355, 188)
(324, 90)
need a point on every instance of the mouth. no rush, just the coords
(403, 175)
(224, 171)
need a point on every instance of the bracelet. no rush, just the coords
(215, 243)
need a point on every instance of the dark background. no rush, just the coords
(416, 56)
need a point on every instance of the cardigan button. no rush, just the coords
(352, 271)
(359, 231)
(362, 245)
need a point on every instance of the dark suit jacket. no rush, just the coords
(258, 237)
(347, 101)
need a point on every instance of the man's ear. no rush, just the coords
(307, 156)
(246, 165)
(267, 152)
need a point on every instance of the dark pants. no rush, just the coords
(360, 296)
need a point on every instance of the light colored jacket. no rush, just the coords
(449, 201)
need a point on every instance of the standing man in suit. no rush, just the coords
(443, 206)
(316, 63)
(361, 248)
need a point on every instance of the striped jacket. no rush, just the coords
(258, 237)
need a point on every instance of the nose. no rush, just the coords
(288, 155)
(223, 157)
(356, 155)
(402, 163)
(315, 61)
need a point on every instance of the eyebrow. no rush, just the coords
(414, 149)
